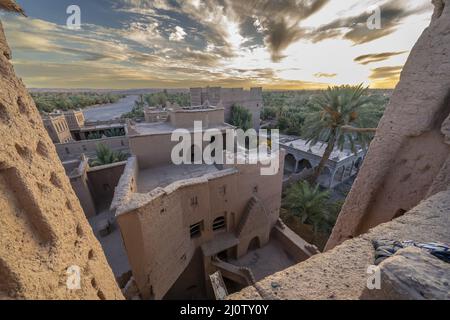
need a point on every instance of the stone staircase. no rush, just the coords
(242, 275)
(250, 205)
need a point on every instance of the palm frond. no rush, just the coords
(11, 6)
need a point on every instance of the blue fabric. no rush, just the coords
(387, 248)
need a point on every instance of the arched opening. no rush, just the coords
(326, 172)
(325, 177)
(289, 164)
(340, 174)
(303, 164)
(223, 255)
(358, 163)
(254, 244)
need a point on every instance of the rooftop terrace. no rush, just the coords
(167, 128)
(150, 179)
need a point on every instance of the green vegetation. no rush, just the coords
(51, 101)
(138, 110)
(241, 117)
(310, 212)
(114, 132)
(157, 99)
(340, 116)
(107, 156)
(287, 111)
(312, 206)
(94, 136)
(161, 99)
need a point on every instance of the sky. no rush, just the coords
(275, 44)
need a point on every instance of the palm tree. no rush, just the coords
(94, 136)
(107, 156)
(114, 132)
(12, 6)
(340, 116)
(140, 103)
(310, 204)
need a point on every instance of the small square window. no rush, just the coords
(219, 224)
(196, 230)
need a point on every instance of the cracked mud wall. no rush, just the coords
(409, 159)
(43, 230)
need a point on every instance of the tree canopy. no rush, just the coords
(106, 155)
(241, 117)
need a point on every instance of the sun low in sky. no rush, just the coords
(290, 44)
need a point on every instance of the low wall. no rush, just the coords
(104, 122)
(140, 145)
(77, 173)
(103, 181)
(126, 184)
(296, 247)
(185, 118)
(73, 150)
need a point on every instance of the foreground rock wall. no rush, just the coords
(341, 273)
(409, 159)
(412, 274)
(43, 230)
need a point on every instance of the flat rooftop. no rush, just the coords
(102, 127)
(167, 128)
(150, 179)
(318, 149)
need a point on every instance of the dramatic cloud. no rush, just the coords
(385, 76)
(291, 44)
(386, 72)
(355, 28)
(325, 75)
(276, 22)
(178, 35)
(371, 58)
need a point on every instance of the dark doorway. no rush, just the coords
(254, 244)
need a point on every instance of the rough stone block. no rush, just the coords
(412, 274)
